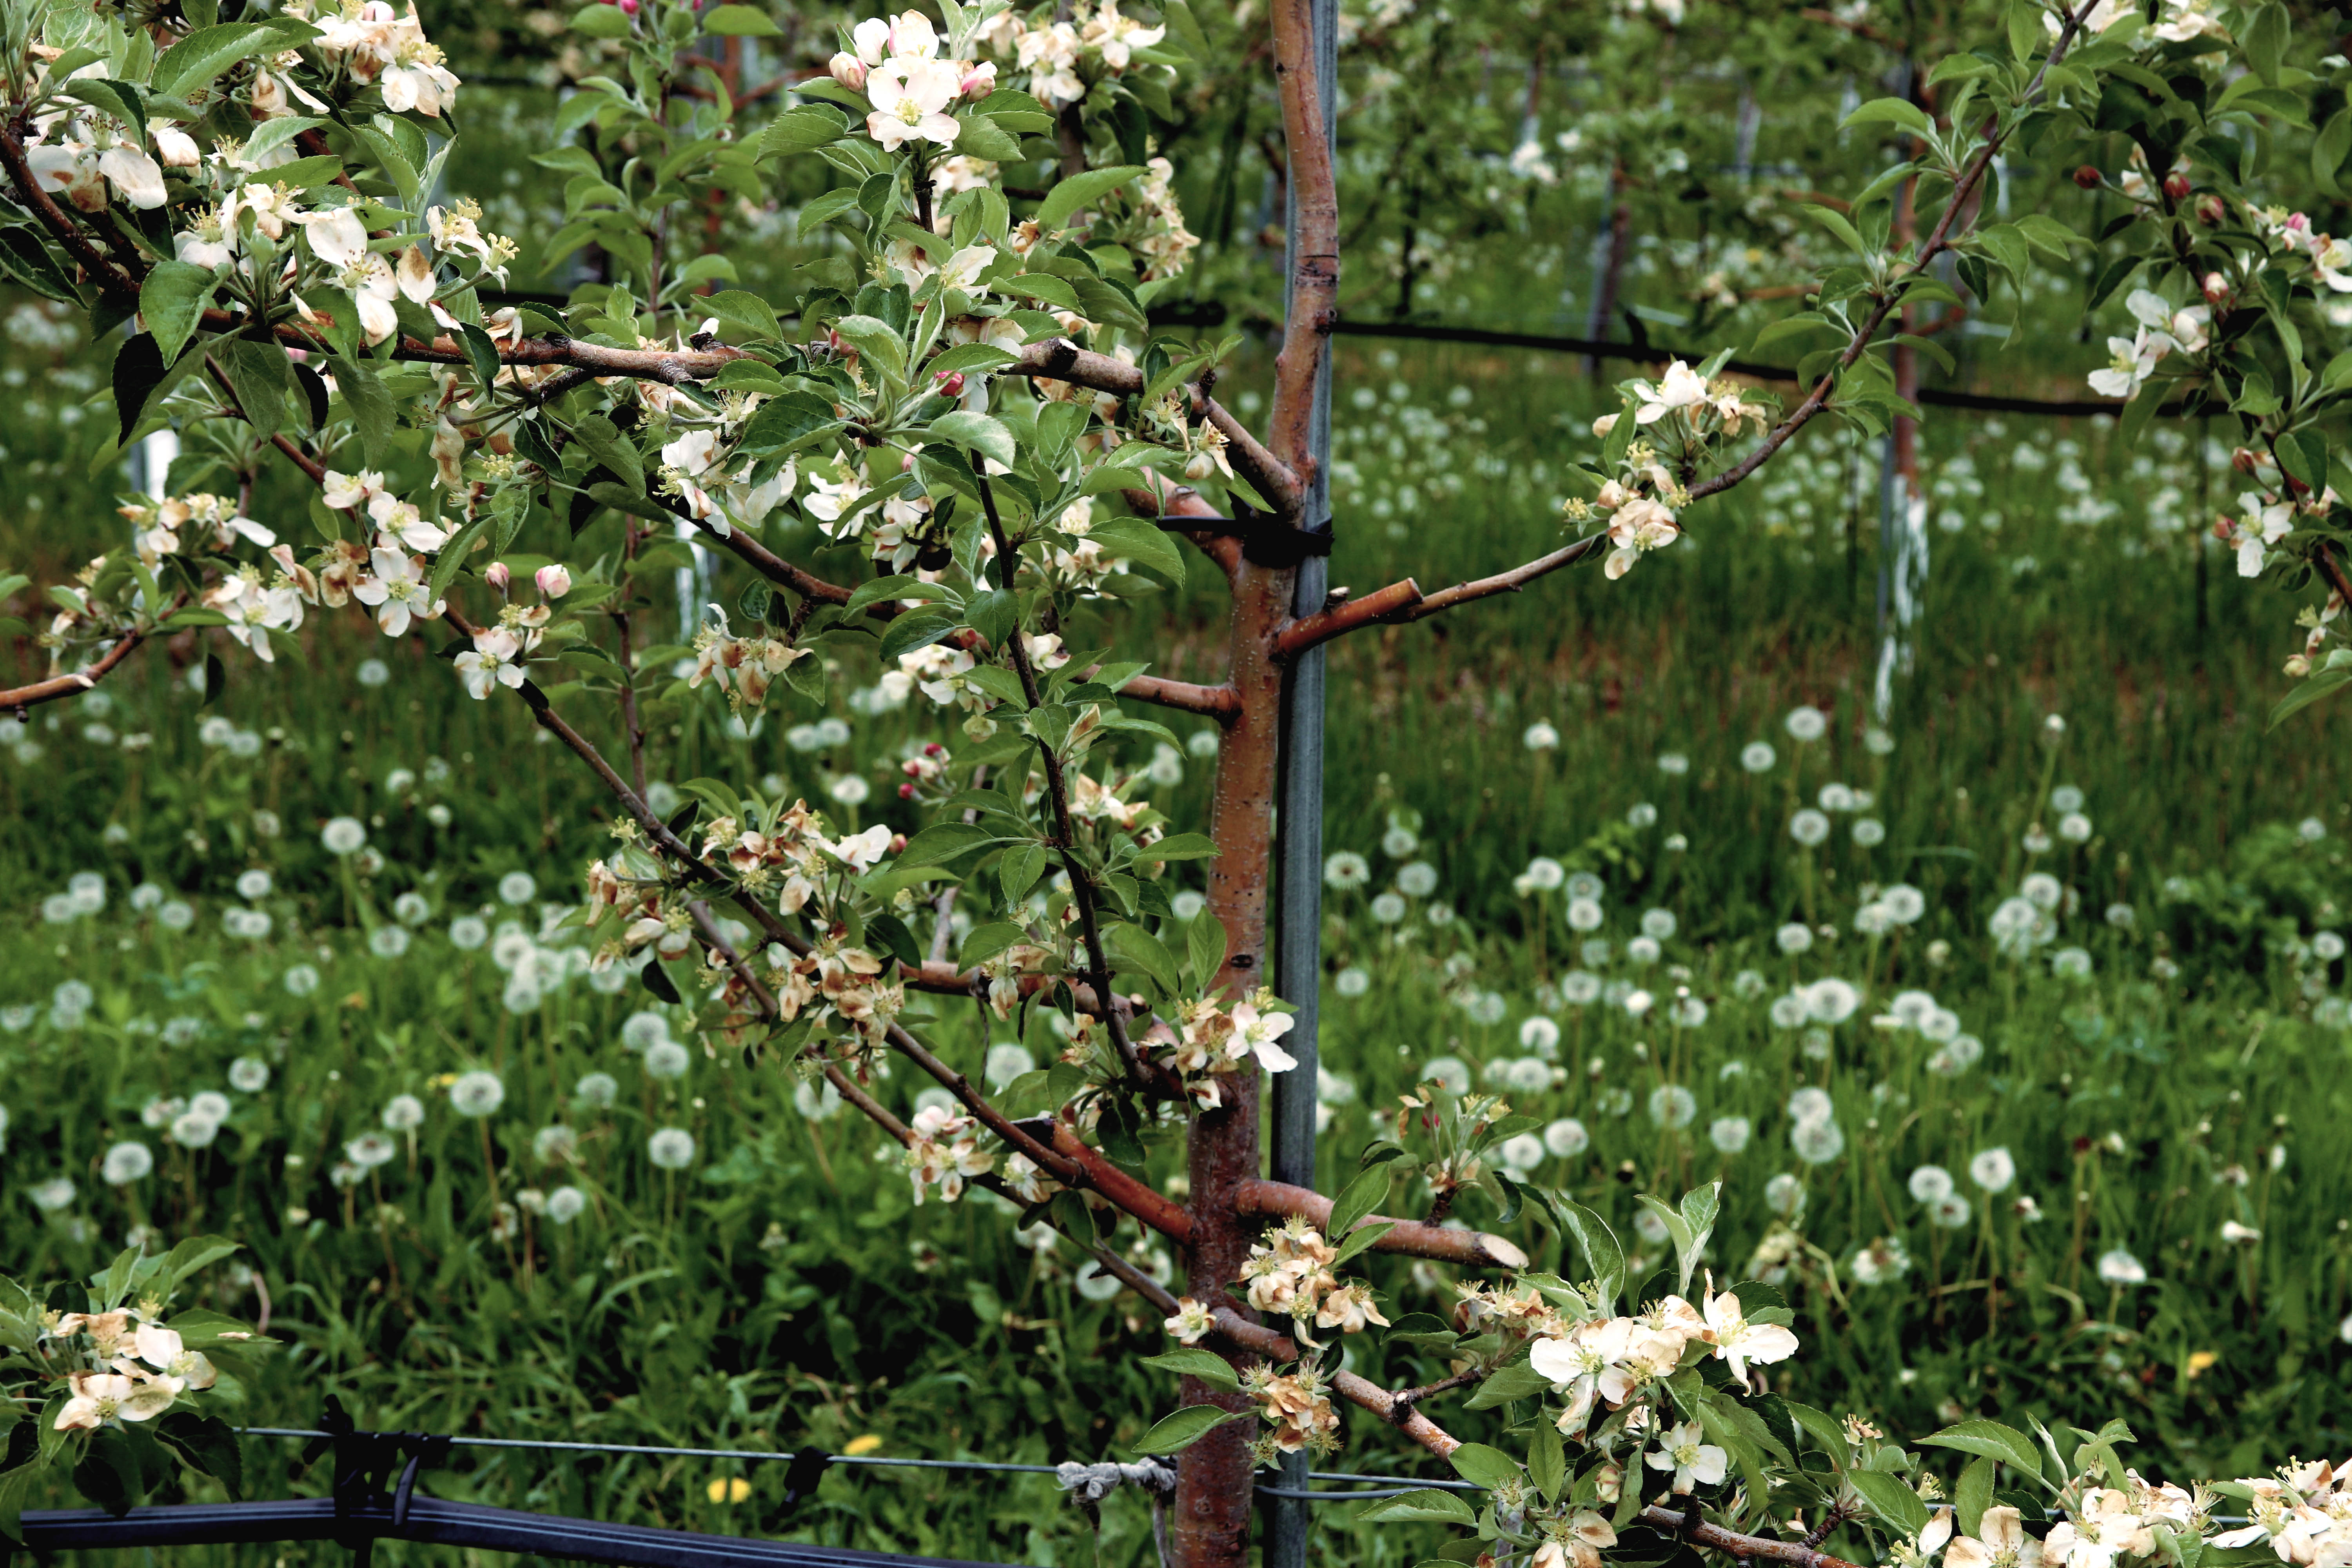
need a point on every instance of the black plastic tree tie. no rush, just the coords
(801, 1477)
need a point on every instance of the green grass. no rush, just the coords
(785, 1291)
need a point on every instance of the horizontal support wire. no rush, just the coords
(1400, 1484)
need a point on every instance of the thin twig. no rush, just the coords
(1083, 891)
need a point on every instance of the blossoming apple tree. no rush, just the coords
(970, 392)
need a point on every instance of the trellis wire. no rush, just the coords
(1400, 1484)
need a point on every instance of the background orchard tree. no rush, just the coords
(969, 389)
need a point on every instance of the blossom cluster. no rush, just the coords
(896, 64)
(1291, 1272)
(2162, 330)
(943, 1150)
(132, 1367)
(1678, 417)
(1065, 58)
(1213, 1040)
(1617, 1360)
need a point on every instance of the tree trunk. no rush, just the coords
(1211, 1526)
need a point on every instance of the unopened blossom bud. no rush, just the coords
(2210, 208)
(2176, 185)
(950, 383)
(2223, 526)
(933, 749)
(2298, 665)
(906, 463)
(897, 844)
(979, 82)
(2245, 460)
(912, 768)
(848, 70)
(498, 575)
(1605, 423)
(906, 792)
(553, 581)
(2088, 177)
(2215, 288)
(628, 8)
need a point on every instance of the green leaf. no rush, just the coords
(1892, 111)
(1361, 1197)
(984, 942)
(942, 842)
(1891, 1500)
(917, 629)
(739, 22)
(1078, 192)
(1483, 1466)
(1208, 1366)
(1204, 948)
(1141, 542)
(616, 451)
(1602, 1253)
(601, 22)
(1145, 952)
(803, 130)
(1418, 1507)
(1176, 1433)
(742, 309)
(977, 433)
(1179, 847)
(2265, 41)
(1836, 224)
(195, 60)
(1973, 1494)
(877, 340)
(196, 1252)
(370, 405)
(119, 99)
(1546, 1461)
(1363, 1238)
(1018, 871)
(481, 352)
(208, 1444)
(1505, 1385)
(2313, 686)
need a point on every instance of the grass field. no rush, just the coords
(2033, 1224)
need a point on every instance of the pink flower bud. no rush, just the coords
(848, 70)
(499, 576)
(906, 792)
(979, 82)
(2223, 527)
(2176, 185)
(933, 749)
(2298, 666)
(628, 8)
(553, 581)
(950, 383)
(2211, 209)
(912, 768)
(2216, 288)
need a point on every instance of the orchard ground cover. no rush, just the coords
(2021, 1046)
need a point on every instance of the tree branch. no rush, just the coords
(1668, 1522)
(772, 566)
(1222, 703)
(16, 699)
(1938, 241)
(1404, 1417)
(1394, 602)
(78, 244)
(1162, 1214)
(1410, 1237)
(1059, 359)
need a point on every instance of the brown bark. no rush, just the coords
(1476, 1248)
